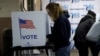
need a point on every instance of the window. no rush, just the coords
(31, 5)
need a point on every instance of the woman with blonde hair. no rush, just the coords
(61, 30)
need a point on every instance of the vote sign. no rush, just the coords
(29, 28)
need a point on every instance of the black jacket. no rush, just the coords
(83, 28)
(61, 32)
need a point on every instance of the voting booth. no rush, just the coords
(29, 31)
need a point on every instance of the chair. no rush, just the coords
(7, 42)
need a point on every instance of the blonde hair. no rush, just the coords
(55, 10)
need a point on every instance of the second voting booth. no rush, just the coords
(29, 30)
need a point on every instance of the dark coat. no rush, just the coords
(61, 32)
(83, 28)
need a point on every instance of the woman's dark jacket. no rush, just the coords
(61, 32)
(83, 28)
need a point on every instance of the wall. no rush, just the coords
(6, 7)
(44, 3)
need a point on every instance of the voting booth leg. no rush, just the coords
(24, 53)
(51, 52)
(17, 53)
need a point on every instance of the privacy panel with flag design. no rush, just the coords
(29, 28)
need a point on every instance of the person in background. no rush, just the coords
(81, 43)
(61, 30)
(97, 46)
